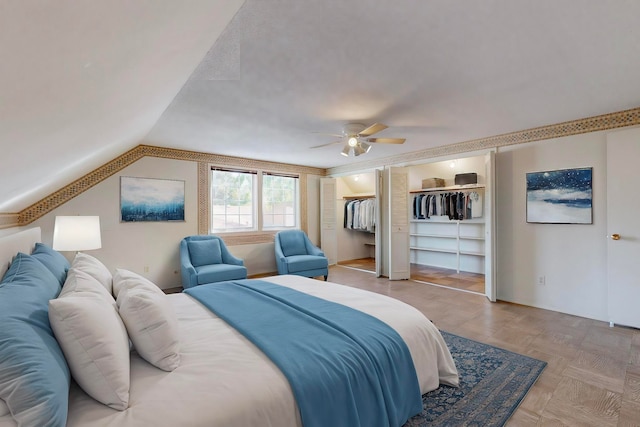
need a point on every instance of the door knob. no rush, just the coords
(615, 236)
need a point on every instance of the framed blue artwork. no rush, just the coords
(560, 196)
(150, 199)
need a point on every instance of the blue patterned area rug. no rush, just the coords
(493, 382)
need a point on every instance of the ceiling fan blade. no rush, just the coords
(374, 128)
(326, 145)
(387, 140)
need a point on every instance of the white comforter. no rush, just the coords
(224, 380)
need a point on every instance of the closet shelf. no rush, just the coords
(446, 236)
(472, 253)
(359, 197)
(447, 251)
(446, 220)
(441, 242)
(441, 236)
(451, 188)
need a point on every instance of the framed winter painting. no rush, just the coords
(560, 196)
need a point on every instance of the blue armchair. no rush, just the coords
(206, 259)
(295, 254)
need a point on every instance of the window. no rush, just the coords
(253, 201)
(232, 200)
(279, 201)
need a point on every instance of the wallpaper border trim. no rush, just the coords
(591, 124)
(619, 119)
(68, 192)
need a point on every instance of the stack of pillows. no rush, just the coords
(92, 320)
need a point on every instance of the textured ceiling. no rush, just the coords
(82, 82)
(436, 72)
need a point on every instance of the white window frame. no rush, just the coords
(257, 200)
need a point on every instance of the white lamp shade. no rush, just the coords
(77, 233)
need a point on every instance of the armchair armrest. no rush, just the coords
(281, 260)
(187, 270)
(230, 259)
(311, 248)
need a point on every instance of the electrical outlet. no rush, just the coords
(542, 280)
(146, 268)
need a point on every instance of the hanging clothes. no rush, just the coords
(457, 205)
(360, 215)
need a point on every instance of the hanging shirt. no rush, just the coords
(476, 204)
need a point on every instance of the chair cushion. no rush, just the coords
(220, 272)
(298, 263)
(292, 243)
(204, 252)
(53, 260)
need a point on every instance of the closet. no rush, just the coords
(447, 228)
(357, 217)
(450, 225)
(400, 244)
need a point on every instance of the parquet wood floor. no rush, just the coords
(593, 372)
(440, 276)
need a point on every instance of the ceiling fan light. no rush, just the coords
(345, 151)
(357, 150)
(353, 141)
(365, 146)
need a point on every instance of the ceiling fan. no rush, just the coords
(356, 138)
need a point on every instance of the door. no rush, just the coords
(398, 201)
(328, 219)
(623, 227)
(489, 227)
(378, 235)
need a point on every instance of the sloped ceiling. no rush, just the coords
(82, 82)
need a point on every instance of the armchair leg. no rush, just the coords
(326, 277)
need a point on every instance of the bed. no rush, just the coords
(223, 379)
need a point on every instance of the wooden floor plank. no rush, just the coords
(593, 372)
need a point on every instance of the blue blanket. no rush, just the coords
(345, 367)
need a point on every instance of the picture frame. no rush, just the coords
(151, 199)
(563, 196)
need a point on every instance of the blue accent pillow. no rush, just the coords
(34, 376)
(53, 260)
(205, 252)
(292, 243)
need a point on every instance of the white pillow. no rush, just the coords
(79, 281)
(125, 279)
(152, 326)
(95, 343)
(95, 268)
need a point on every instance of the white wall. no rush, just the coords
(152, 248)
(572, 257)
(138, 246)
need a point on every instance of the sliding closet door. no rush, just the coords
(378, 237)
(489, 227)
(398, 200)
(328, 219)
